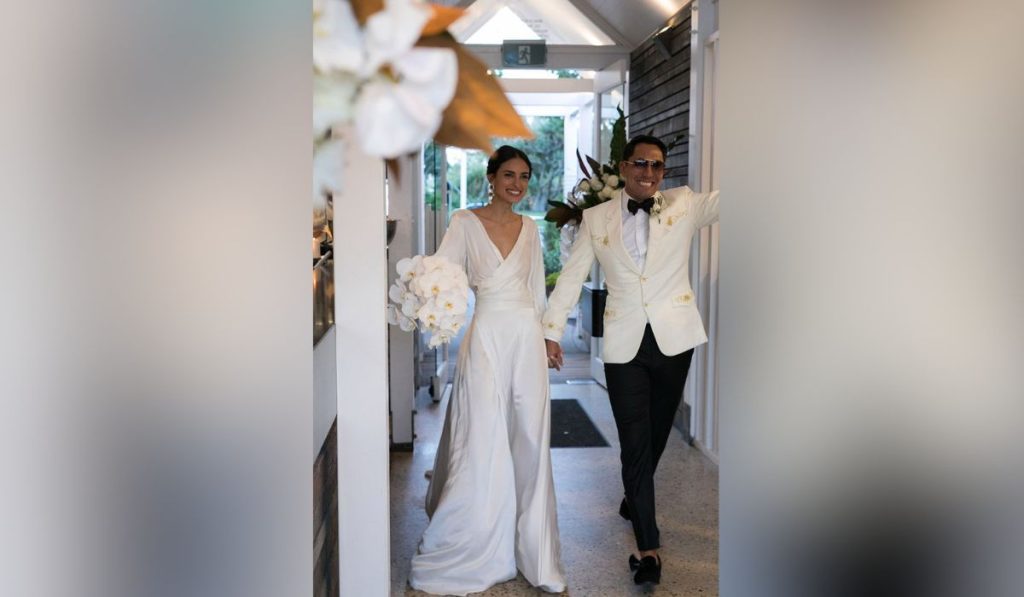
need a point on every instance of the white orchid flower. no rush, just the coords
(327, 161)
(409, 268)
(411, 307)
(405, 89)
(596, 184)
(452, 324)
(398, 292)
(337, 38)
(334, 98)
(612, 181)
(452, 302)
(434, 283)
(430, 315)
(433, 263)
(584, 186)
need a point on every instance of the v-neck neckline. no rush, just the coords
(522, 225)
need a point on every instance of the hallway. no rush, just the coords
(595, 541)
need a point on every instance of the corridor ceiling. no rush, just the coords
(622, 23)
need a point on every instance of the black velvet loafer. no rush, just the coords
(649, 571)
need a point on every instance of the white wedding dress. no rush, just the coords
(491, 499)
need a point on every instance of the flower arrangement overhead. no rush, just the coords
(391, 70)
(598, 184)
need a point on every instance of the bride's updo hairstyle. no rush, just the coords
(504, 154)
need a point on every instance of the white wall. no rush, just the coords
(363, 448)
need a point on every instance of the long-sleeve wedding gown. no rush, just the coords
(491, 499)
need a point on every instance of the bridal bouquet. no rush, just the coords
(432, 292)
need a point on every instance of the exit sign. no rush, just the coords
(522, 54)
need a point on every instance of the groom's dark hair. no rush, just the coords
(627, 151)
(504, 154)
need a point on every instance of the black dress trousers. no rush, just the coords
(645, 394)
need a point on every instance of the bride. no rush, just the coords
(491, 499)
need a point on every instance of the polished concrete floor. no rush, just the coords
(595, 541)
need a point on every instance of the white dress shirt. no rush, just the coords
(635, 232)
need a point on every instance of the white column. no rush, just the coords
(404, 195)
(360, 266)
(702, 386)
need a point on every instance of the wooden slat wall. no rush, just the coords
(659, 95)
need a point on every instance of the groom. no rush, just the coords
(641, 238)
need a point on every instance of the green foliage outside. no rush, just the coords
(547, 154)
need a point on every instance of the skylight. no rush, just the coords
(490, 22)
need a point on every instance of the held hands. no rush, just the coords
(555, 357)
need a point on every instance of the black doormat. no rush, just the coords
(572, 428)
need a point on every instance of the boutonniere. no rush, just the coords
(659, 204)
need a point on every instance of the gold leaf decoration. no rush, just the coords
(480, 109)
(443, 17)
(364, 8)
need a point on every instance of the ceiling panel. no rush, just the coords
(632, 21)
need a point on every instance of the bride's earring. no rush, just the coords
(490, 192)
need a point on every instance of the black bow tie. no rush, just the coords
(645, 205)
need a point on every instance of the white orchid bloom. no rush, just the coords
(411, 305)
(452, 324)
(334, 97)
(405, 89)
(612, 181)
(607, 192)
(584, 186)
(434, 283)
(407, 324)
(453, 302)
(337, 38)
(398, 111)
(327, 161)
(433, 263)
(430, 315)
(398, 292)
(409, 268)
(391, 33)
(596, 184)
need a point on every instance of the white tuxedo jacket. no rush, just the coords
(659, 294)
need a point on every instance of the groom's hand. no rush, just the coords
(554, 354)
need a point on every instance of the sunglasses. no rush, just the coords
(655, 165)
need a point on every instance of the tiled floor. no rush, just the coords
(595, 541)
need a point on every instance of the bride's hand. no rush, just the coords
(555, 357)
